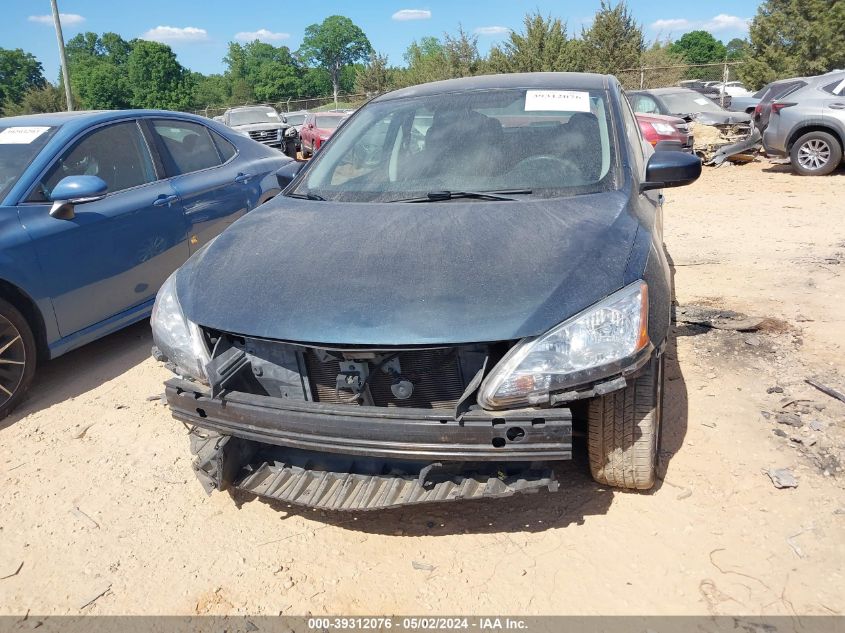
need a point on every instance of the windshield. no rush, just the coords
(295, 119)
(686, 102)
(257, 115)
(328, 122)
(18, 146)
(541, 143)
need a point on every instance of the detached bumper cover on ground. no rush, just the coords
(349, 458)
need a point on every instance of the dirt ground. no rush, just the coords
(100, 511)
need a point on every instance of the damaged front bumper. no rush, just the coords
(363, 458)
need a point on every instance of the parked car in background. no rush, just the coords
(430, 321)
(808, 125)
(318, 128)
(665, 132)
(732, 88)
(684, 103)
(96, 210)
(776, 90)
(263, 124)
(748, 103)
(708, 89)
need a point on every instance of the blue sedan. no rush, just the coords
(96, 210)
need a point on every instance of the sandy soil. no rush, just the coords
(97, 497)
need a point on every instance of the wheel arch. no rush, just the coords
(28, 308)
(814, 127)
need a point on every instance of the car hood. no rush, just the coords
(721, 118)
(249, 127)
(383, 274)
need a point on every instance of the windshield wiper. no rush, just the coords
(440, 196)
(305, 196)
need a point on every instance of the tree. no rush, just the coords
(263, 72)
(543, 46)
(426, 61)
(793, 38)
(210, 90)
(46, 98)
(19, 72)
(334, 44)
(699, 47)
(374, 78)
(98, 71)
(736, 49)
(156, 78)
(613, 42)
(461, 52)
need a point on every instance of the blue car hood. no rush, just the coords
(409, 274)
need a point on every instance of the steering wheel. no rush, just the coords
(552, 170)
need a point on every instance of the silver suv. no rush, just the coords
(263, 124)
(808, 125)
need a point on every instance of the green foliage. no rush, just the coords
(613, 42)
(262, 72)
(737, 49)
(46, 98)
(794, 38)
(334, 44)
(210, 90)
(156, 78)
(543, 46)
(19, 72)
(461, 53)
(98, 70)
(426, 61)
(699, 47)
(374, 78)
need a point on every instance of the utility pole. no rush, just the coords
(62, 55)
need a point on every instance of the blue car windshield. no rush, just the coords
(19, 144)
(544, 143)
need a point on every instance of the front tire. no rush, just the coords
(17, 357)
(623, 431)
(815, 154)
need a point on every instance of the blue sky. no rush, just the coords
(198, 31)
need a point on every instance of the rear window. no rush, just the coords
(836, 88)
(187, 147)
(778, 91)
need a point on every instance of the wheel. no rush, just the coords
(815, 154)
(305, 152)
(17, 357)
(290, 150)
(623, 431)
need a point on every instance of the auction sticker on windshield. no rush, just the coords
(21, 135)
(557, 101)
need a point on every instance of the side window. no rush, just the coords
(116, 153)
(836, 88)
(635, 137)
(185, 146)
(645, 104)
(226, 149)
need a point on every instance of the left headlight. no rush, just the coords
(176, 337)
(663, 128)
(589, 346)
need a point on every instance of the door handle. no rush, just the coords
(165, 201)
(243, 178)
(837, 106)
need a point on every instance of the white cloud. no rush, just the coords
(173, 34)
(403, 15)
(67, 19)
(678, 24)
(721, 22)
(492, 30)
(261, 34)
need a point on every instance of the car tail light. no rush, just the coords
(649, 134)
(777, 107)
(758, 110)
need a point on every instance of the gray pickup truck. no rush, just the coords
(263, 124)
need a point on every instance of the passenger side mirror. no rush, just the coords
(284, 119)
(288, 172)
(73, 190)
(670, 169)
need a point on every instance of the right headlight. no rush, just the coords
(176, 337)
(591, 345)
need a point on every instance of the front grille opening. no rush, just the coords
(436, 376)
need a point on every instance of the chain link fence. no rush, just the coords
(649, 77)
(344, 101)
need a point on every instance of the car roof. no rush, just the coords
(251, 107)
(584, 81)
(80, 119)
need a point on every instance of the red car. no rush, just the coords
(317, 129)
(665, 132)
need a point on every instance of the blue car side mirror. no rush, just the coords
(286, 173)
(73, 190)
(671, 169)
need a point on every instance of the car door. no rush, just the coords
(115, 253)
(214, 185)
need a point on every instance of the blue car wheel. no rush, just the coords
(17, 357)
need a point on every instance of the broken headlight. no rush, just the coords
(587, 347)
(176, 337)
